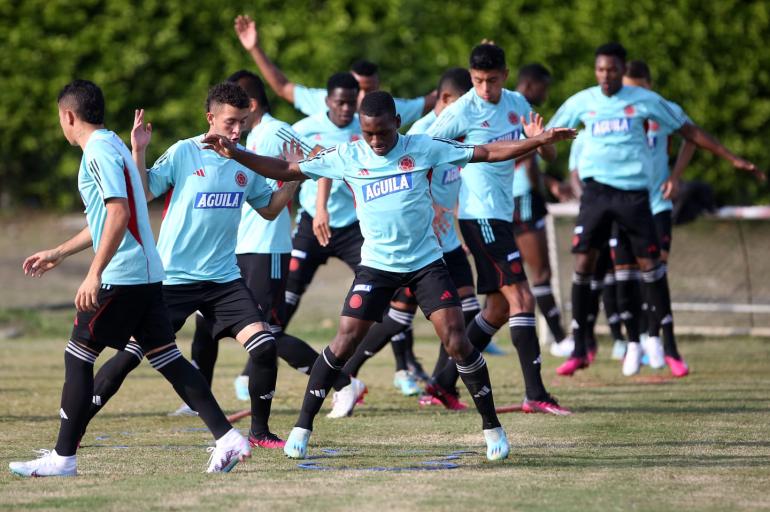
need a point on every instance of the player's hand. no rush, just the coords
(558, 134)
(745, 165)
(321, 228)
(670, 188)
(141, 133)
(440, 223)
(533, 126)
(488, 41)
(292, 151)
(247, 31)
(221, 145)
(41, 262)
(86, 298)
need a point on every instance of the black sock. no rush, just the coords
(192, 387)
(471, 308)
(398, 344)
(77, 390)
(394, 322)
(475, 375)
(593, 314)
(325, 371)
(296, 352)
(547, 305)
(629, 301)
(204, 350)
(292, 299)
(524, 338)
(658, 297)
(263, 374)
(111, 375)
(479, 333)
(581, 307)
(610, 301)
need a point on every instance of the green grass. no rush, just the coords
(645, 443)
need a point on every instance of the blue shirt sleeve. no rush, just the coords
(259, 192)
(410, 110)
(309, 101)
(450, 124)
(667, 113)
(106, 168)
(446, 151)
(326, 164)
(568, 115)
(162, 175)
(574, 151)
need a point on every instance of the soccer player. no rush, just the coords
(486, 114)
(121, 295)
(616, 166)
(389, 174)
(198, 236)
(312, 101)
(663, 188)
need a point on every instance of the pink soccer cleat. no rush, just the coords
(571, 365)
(268, 440)
(449, 400)
(547, 406)
(678, 367)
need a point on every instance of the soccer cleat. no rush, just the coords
(571, 365)
(678, 367)
(446, 398)
(184, 410)
(563, 348)
(592, 351)
(229, 450)
(267, 440)
(547, 406)
(406, 383)
(48, 464)
(619, 350)
(241, 384)
(415, 368)
(497, 444)
(426, 400)
(653, 349)
(344, 400)
(493, 349)
(360, 399)
(296, 444)
(632, 361)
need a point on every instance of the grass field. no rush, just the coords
(644, 443)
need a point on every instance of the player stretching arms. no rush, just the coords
(616, 166)
(205, 195)
(121, 295)
(389, 175)
(312, 101)
(486, 114)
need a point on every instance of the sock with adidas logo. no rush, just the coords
(524, 338)
(475, 375)
(75, 396)
(325, 371)
(547, 304)
(263, 372)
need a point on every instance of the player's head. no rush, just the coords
(342, 98)
(365, 73)
(488, 71)
(533, 82)
(453, 83)
(638, 74)
(80, 103)
(255, 89)
(609, 67)
(379, 121)
(227, 109)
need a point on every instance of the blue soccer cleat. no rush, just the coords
(241, 384)
(406, 383)
(497, 444)
(296, 444)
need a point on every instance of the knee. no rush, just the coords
(496, 310)
(454, 339)
(520, 300)
(344, 343)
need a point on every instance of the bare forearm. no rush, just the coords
(548, 152)
(324, 191)
(77, 243)
(140, 161)
(112, 236)
(705, 140)
(279, 200)
(683, 159)
(274, 76)
(506, 150)
(273, 168)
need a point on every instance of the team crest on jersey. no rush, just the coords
(406, 163)
(354, 138)
(241, 179)
(209, 200)
(450, 175)
(629, 110)
(513, 118)
(387, 186)
(608, 126)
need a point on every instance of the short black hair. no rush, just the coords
(487, 57)
(85, 98)
(342, 81)
(376, 104)
(364, 68)
(253, 86)
(638, 69)
(456, 79)
(612, 49)
(534, 72)
(227, 93)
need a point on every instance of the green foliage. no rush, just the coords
(710, 57)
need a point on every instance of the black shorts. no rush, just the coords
(265, 275)
(498, 260)
(601, 206)
(621, 252)
(372, 290)
(307, 254)
(529, 213)
(125, 311)
(229, 306)
(663, 227)
(459, 271)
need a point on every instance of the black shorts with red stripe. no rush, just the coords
(459, 270)
(265, 276)
(497, 258)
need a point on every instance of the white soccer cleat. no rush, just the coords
(619, 350)
(48, 464)
(184, 410)
(564, 348)
(406, 383)
(296, 443)
(633, 360)
(653, 347)
(497, 444)
(345, 399)
(229, 450)
(241, 384)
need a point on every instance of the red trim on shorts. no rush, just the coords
(98, 313)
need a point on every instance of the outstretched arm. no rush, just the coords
(140, 139)
(511, 149)
(43, 261)
(705, 140)
(279, 200)
(273, 168)
(249, 37)
(670, 188)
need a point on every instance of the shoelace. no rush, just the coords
(43, 453)
(210, 450)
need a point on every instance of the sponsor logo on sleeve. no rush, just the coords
(213, 200)
(387, 186)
